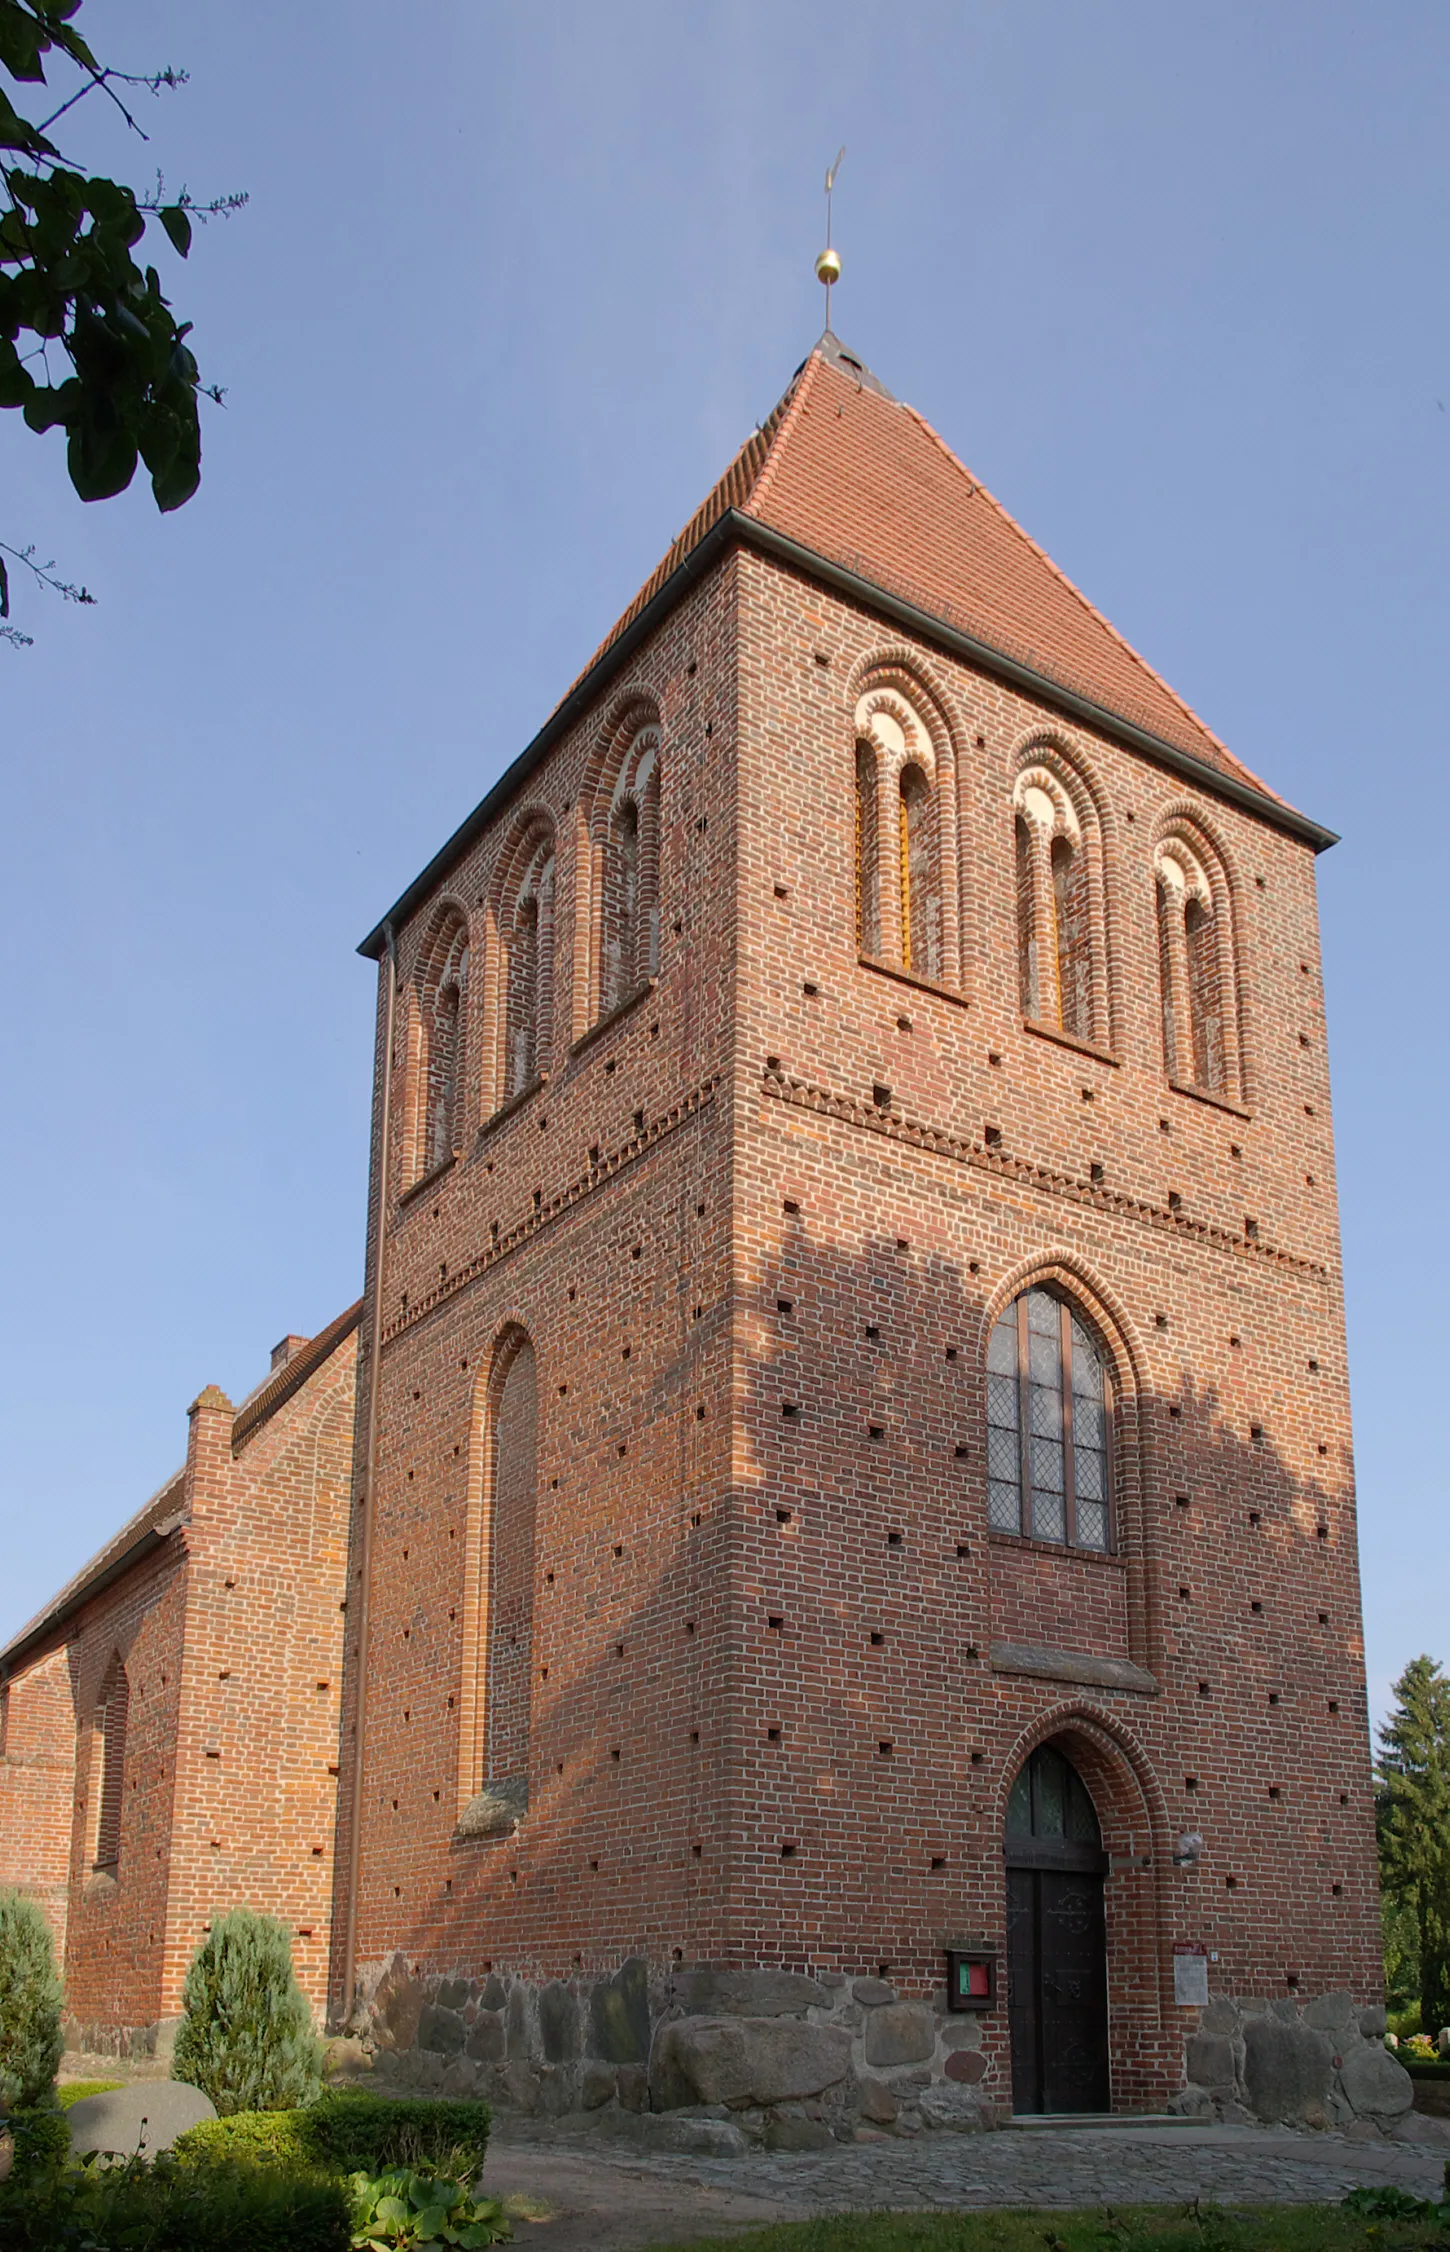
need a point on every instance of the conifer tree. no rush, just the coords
(30, 2002)
(246, 2038)
(1413, 1815)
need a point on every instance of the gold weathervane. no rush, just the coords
(828, 265)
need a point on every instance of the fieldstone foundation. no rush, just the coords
(1320, 2063)
(692, 2059)
(713, 2060)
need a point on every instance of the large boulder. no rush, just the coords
(1377, 2087)
(558, 2024)
(397, 2005)
(146, 2117)
(619, 2015)
(748, 1993)
(900, 2033)
(442, 2031)
(742, 2061)
(1287, 2069)
(1334, 2013)
(1211, 2060)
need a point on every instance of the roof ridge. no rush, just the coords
(262, 1405)
(1100, 617)
(151, 1515)
(785, 414)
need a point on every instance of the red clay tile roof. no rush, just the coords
(849, 472)
(845, 472)
(157, 1517)
(167, 1508)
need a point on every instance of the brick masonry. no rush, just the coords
(222, 1602)
(684, 1681)
(757, 1227)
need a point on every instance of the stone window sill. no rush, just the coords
(102, 1882)
(909, 977)
(1038, 1547)
(1084, 1667)
(1203, 1095)
(1061, 1039)
(430, 1180)
(495, 1813)
(607, 1023)
(506, 1110)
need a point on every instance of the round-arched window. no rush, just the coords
(1049, 1423)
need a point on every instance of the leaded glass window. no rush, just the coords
(1049, 1420)
(1050, 1800)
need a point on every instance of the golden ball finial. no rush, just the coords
(828, 267)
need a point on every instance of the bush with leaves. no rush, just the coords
(69, 283)
(140, 2205)
(30, 2002)
(349, 2131)
(41, 2136)
(246, 2037)
(400, 2209)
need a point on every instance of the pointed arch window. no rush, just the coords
(1198, 981)
(905, 820)
(108, 1767)
(1060, 980)
(1049, 1425)
(504, 1691)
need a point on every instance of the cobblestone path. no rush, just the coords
(623, 2202)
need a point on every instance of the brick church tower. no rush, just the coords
(853, 1603)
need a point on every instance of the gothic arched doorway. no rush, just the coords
(1057, 1954)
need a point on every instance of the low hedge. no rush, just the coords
(1426, 2068)
(42, 2139)
(348, 2132)
(171, 2208)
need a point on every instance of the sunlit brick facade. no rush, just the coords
(869, 942)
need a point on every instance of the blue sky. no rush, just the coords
(513, 284)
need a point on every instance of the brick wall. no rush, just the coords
(767, 1726)
(37, 1783)
(593, 1216)
(229, 1631)
(261, 1674)
(872, 1195)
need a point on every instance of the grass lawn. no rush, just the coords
(1128, 2228)
(75, 2091)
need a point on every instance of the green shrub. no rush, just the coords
(30, 1998)
(246, 2037)
(348, 2132)
(248, 2138)
(169, 2208)
(356, 2132)
(42, 2140)
(400, 2209)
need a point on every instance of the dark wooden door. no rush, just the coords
(1057, 1959)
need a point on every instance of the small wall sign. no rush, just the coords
(971, 1978)
(1190, 1974)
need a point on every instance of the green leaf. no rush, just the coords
(101, 461)
(178, 226)
(21, 40)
